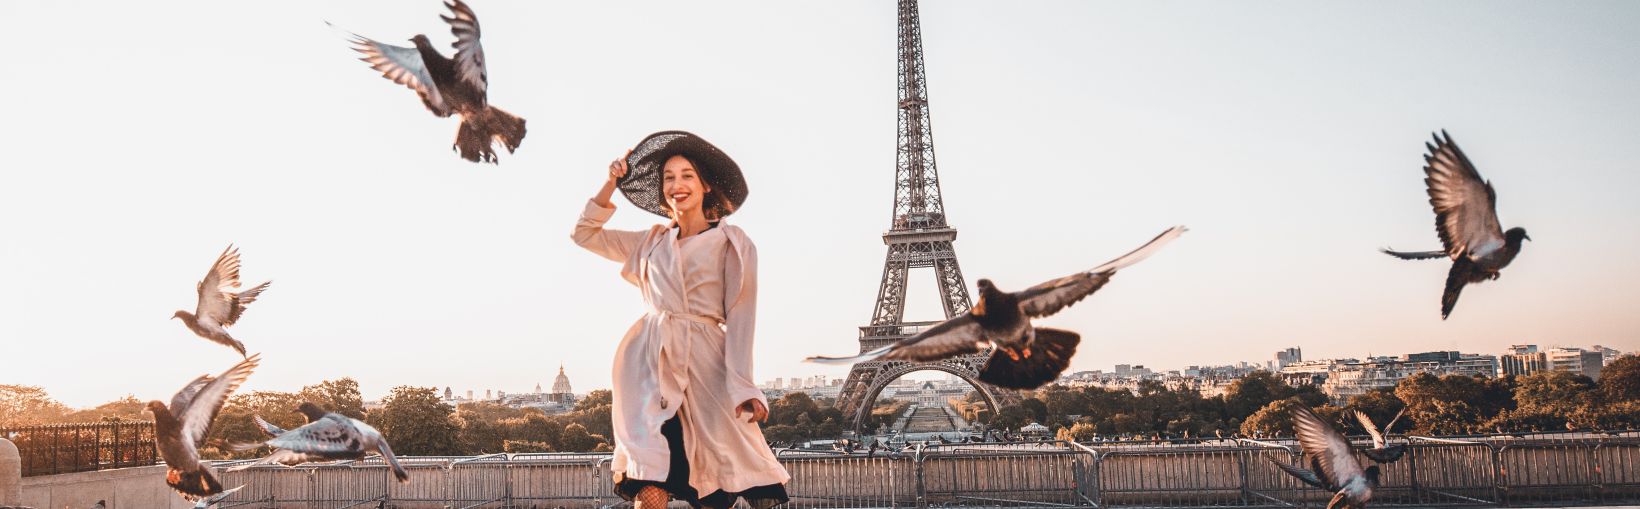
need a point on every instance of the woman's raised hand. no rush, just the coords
(755, 407)
(617, 168)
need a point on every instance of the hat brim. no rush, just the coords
(645, 169)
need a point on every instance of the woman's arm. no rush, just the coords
(589, 231)
(740, 271)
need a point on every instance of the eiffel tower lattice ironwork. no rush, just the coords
(917, 238)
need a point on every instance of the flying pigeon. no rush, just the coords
(450, 86)
(309, 410)
(332, 437)
(1381, 451)
(1025, 356)
(1466, 217)
(181, 429)
(207, 502)
(1333, 466)
(220, 304)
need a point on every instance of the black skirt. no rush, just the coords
(677, 480)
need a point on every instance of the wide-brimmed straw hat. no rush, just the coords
(646, 165)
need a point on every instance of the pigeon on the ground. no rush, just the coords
(207, 502)
(220, 302)
(332, 437)
(1333, 466)
(1381, 451)
(1466, 217)
(1025, 357)
(450, 86)
(181, 429)
(101, 504)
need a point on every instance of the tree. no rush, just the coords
(1253, 392)
(1079, 432)
(480, 435)
(1379, 404)
(1450, 404)
(600, 397)
(27, 404)
(340, 396)
(787, 409)
(1560, 392)
(128, 408)
(1620, 380)
(576, 439)
(1274, 419)
(417, 422)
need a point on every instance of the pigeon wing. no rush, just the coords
(1050, 297)
(1466, 215)
(333, 436)
(469, 53)
(403, 66)
(237, 303)
(215, 297)
(950, 338)
(179, 402)
(1331, 452)
(1302, 474)
(1372, 429)
(207, 402)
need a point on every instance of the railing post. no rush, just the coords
(922, 487)
(1412, 472)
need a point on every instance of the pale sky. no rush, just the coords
(141, 139)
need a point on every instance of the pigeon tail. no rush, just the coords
(392, 461)
(1142, 252)
(481, 130)
(1415, 255)
(871, 355)
(1051, 353)
(193, 485)
(207, 502)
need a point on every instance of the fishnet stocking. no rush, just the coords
(651, 497)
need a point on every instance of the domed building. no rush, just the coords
(561, 392)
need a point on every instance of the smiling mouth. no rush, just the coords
(680, 197)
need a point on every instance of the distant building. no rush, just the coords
(1342, 379)
(561, 392)
(448, 395)
(1576, 360)
(1288, 356)
(1522, 360)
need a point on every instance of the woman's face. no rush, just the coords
(682, 185)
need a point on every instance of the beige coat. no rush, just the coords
(691, 354)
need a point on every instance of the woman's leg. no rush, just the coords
(651, 497)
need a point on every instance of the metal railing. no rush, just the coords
(66, 448)
(1466, 472)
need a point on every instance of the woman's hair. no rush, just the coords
(712, 204)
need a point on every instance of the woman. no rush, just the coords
(686, 409)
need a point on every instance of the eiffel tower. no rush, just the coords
(917, 238)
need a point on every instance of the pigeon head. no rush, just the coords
(181, 314)
(311, 411)
(157, 408)
(421, 41)
(1372, 474)
(1514, 235)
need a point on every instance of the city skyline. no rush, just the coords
(1288, 136)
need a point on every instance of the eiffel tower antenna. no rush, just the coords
(918, 237)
